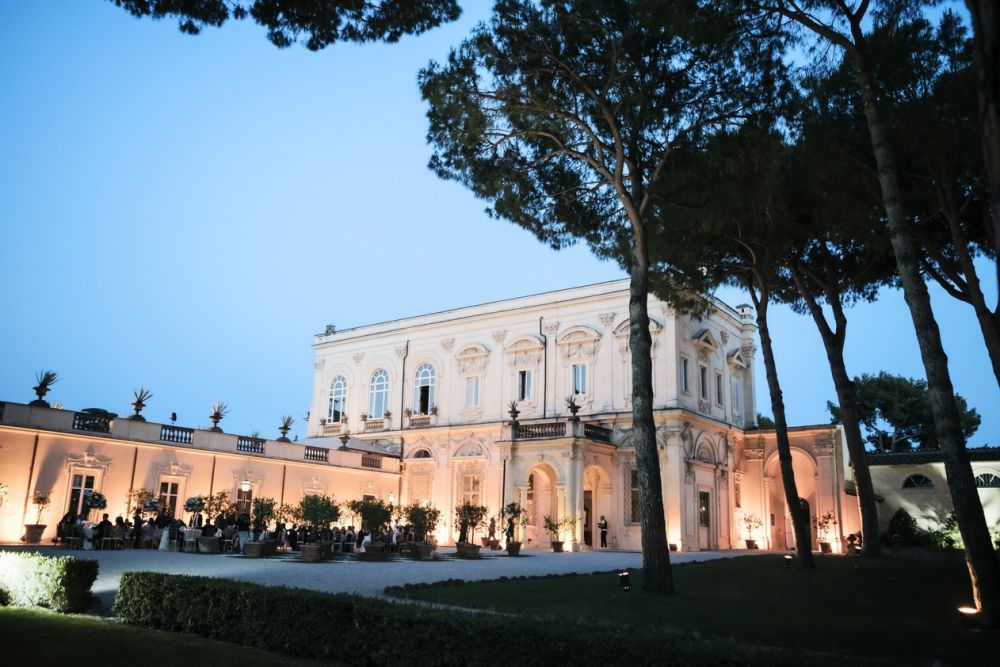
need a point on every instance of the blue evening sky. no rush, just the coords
(184, 213)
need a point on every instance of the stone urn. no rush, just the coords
(314, 553)
(466, 550)
(513, 548)
(424, 551)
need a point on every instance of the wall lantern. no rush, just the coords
(623, 581)
(245, 485)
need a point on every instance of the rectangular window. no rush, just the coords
(685, 383)
(470, 489)
(168, 497)
(80, 484)
(632, 511)
(718, 388)
(579, 379)
(523, 385)
(704, 509)
(703, 382)
(471, 392)
(737, 397)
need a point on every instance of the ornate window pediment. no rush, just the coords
(622, 330)
(705, 342)
(470, 450)
(88, 459)
(579, 342)
(736, 359)
(525, 351)
(472, 359)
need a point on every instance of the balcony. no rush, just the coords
(562, 429)
(317, 454)
(176, 434)
(371, 461)
(83, 421)
(333, 428)
(249, 445)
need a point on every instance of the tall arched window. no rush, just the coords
(423, 389)
(378, 394)
(987, 480)
(338, 399)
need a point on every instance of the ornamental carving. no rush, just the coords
(472, 359)
(173, 469)
(401, 351)
(754, 453)
(724, 337)
(499, 335)
(358, 358)
(88, 459)
(330, 330)
(606, 319)
(319, 364)
(749, 350)
(552, 328)
(447, 344)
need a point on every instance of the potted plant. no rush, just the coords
(195, 505)
(93, 500)
(515, 519)
(469, 517)
(219, 410)
(751, 523)
(33, 531)
(286, 426)
(424, 520)
(513, 412)
(136, 499)
(141, 397)
(318, 511)
(262, 513)
(556, 527)
(45, 381)
(824, 526)
(375, 516)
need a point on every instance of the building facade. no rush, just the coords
(442, 391)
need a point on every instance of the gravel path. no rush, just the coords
(363, 578)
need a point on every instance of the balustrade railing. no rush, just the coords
(176, 434)
(420, 421)
(333, 428)
(374, 425)
(530, 431)
(371, 461)
(249, 445)
(92, 423)
(320, 454)
(595, 432)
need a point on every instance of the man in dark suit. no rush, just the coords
(603, 526)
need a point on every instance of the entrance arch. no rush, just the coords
(540, 500)
(779, 521)
(596, 503)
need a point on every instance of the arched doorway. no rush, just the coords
(540, 501)
(779, 521)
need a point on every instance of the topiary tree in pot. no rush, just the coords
(424, 520)
(375, 516)
(33, 531)
(515, 518)
(469, 517)
(317, 511)
(262, 513)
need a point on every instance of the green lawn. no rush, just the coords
(895, 609)
(39, 637)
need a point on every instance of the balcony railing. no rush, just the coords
(320, 454)
(249, 445)
(420, 421)
(371, 461)
(176, 434)
(92, 423)
(374, 425)
(595, 432)
(332, 428)
(532, 431)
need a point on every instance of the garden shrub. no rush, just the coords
(352, 629)
(903, 531)
(61, 583)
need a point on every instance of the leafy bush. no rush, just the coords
(354, 630)
(61, 583)
(903, 531)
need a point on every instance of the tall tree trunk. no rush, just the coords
(800, 518)
(657, 576)
(989, 324)
(847, 397)
(986, 30)
(984, 568)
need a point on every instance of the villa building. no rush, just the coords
(527, 400)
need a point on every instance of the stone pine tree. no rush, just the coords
(564, 116)
(843, 25)
(837, 255)
(316, 24)
(735, 229)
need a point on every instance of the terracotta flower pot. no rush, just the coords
(424, 551)
(513, 548)
(314, 553)
(557, 547)
(33, 532)
(465, 550)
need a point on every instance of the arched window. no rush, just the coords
(918, 482)
(378, 394)
(338, 399)
(423, 389)
(987, 480)
(422, 454)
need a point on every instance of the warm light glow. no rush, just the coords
(968, 611)
(245, 485)
(392, 498)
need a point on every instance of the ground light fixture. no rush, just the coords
(968, 617)
(624, 582)
(788, 561)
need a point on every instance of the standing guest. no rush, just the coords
(243, 530)
(603, 526)
(293, 539)
(510, 530)
(137, 529)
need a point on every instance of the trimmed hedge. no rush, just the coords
(353, 630)
(61, 583)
